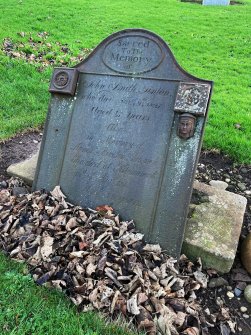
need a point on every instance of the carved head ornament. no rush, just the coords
(186, 125)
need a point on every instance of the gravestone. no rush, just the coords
(215, 2)
(125, 128)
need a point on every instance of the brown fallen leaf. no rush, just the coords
(104, 208)
(57, 193)
(180, 319)
(82, 245)
(22, 34)
(157, 304)
(102, 260)
(113, 276)
(78, 254)
(145, 322)
(72, 223)
(91, 268)
(142, 297)
(191, 331)
(103, 263)
(152, 248)
(132, 305)
(46, 248)
(114, 301)
(120, 305)
(163, 324)
(201, 278)
(77, 300)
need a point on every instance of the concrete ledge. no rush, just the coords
(214, 226)
(25, 169)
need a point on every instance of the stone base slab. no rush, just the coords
(25, 169)
(213, 227)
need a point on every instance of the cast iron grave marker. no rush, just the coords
(124, 128)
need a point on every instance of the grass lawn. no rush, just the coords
(208, 41)
(27, 309)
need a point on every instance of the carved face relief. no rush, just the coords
(186, 126)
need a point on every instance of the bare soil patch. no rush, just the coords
(17, 149)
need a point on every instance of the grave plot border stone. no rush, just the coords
(145, 166)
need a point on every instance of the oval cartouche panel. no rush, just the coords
(132, 54)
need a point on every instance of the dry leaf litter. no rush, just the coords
(103, 263)
(35, 49)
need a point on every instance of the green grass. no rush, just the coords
(26, 309)
(208, 41)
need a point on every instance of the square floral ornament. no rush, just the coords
(192, 98)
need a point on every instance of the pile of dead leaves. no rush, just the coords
(38, 51)
(101, 262)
